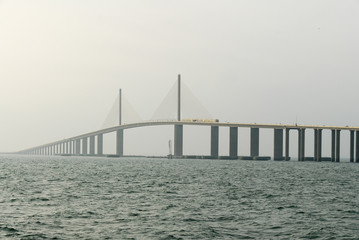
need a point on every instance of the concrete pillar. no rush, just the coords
(357, 147)
(287, 144)
(78, 146)
(337, 147)
(299, 144)
(254, 142)
(319, 145)
(119, 142)
(233, 142)
(303, 144)
(278, 144)
(315, 144)
(178, 141)
(84, 146)
(333, 145)
(92, 145)
(100, 144)
(71, 148)
(351, 146)
(214, 141)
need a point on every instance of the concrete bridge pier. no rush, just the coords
(287, 144)
(337, 147)
(78, 147)
(178, 141)
(254, 142)
(333, 145)
(84, 146)
(319, 145)
(214, 141)
(278, 144)
(233, 142)
(351, 146)
(92, 145)
(66, 148)
(119, 142)
(71, 147)
(301, 144)
(315, 145)
(100, 144)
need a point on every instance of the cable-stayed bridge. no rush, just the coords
(122, 116)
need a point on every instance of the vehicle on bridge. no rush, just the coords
(200, 120)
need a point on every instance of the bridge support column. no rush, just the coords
(357, 147)
(254, 142)
(78, 147)
(319, 145)
(287, 144)
(84, 146)
(301, 144)
(119, 142)
(337, 147)
(278, 144)
(100, 144)
(92, 145)
(71, 147)
(233, 142)
(351, 146)
(214, 141)
(178, 141)
(315, 145)
(333, 145)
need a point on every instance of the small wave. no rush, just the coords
(9, 229)
(39, 199)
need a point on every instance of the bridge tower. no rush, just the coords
(119, 133)
(178, 134)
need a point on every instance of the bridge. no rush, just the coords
(91, 144)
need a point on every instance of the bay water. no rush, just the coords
(53, 197)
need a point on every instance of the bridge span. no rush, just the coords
(85, 144)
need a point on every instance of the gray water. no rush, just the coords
(139, 198)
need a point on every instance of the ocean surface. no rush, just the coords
(139, 198)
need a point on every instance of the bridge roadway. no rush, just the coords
(73, 145)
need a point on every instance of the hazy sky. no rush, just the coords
(62, 62)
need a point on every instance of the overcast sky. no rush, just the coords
(62, 62)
